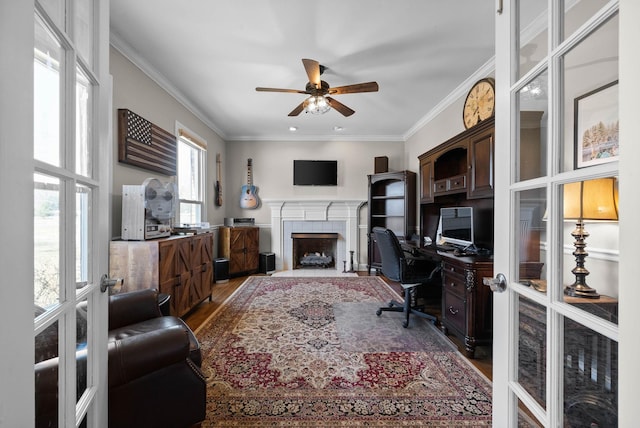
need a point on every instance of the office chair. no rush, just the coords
(410, 271)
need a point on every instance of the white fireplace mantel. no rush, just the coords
(313, 210)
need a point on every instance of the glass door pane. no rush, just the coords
(83, 238)
(532, 41)
(47, 245)
(590, 258)
(590, 99)
(532, 349)
(590, 375)
(83, 28)
(532, 144)
(531, 238)
(47, 70)
(84, 112)
(577, 12)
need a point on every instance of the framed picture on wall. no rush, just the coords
(596, 126)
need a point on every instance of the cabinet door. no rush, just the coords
(201, 273)
(481, 164)
(167, 267)
(426, 181)
(170, 281)
(183, 275)
(236, 250)
(252, 244)
(375, 260)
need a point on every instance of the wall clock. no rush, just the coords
(480, 103)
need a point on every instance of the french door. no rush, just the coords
(559, 129)
(55, 179)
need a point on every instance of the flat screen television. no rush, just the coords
(456, 226)
(315, 173)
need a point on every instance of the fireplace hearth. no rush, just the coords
(314, 250)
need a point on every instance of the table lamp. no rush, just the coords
(588, 200)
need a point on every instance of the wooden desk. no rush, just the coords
(467, 304)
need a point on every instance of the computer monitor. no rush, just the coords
(456, 226)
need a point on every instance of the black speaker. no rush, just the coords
(220, 270)
(267, 263)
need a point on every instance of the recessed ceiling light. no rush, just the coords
(338, 128)
(293, 128)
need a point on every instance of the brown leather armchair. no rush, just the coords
(154, 366)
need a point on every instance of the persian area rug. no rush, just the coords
(311, 352)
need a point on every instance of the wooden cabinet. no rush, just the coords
(463, 164)
(180, 266)
(460, 172)
(392, 205)
(466, 302)
(241, 246)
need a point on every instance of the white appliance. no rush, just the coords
(148, 210)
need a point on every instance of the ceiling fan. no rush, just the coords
(318, 90)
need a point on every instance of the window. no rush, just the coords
(191, 177)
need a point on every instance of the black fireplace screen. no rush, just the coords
(314, 249)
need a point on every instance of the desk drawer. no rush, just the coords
(440, 186)
(452, 269)
(453, 281)
(453, 311)
(458, 182)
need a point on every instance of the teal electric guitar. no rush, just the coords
(249, 198)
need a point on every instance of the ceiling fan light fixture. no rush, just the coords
(316, 104)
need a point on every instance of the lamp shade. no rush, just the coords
(592, 199)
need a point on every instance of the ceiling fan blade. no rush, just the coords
(293, 91)
(312, 67)
(346, 111)
(352, 89)
(296, 111)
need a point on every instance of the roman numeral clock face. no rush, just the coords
(480, 103)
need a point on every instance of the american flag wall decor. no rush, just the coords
(145, 145)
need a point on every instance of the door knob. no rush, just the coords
(106, 282)
(497, 284)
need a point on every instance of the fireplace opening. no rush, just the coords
(314, 250)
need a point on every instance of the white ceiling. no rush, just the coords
(211, 55)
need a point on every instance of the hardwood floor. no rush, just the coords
(221, 291)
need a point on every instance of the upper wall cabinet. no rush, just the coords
(463, 164)
(481, 164)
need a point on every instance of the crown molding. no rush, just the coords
(321, 138)
(119, 44)
(486, 69)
